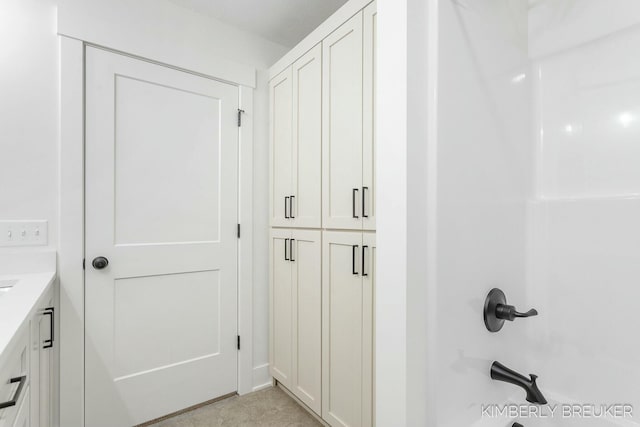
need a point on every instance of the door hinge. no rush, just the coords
(83, 263)
(240, 113)
(238, 231)
(238, 342)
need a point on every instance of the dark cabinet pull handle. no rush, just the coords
(285, 207)
(291, 206)
(286, 242)
(22, 380)
(363, 270)
(353, 202)
(364, 215)
(49, 311)
(291, 249)
(354, 250)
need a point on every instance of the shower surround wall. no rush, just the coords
(537, 191)
(585, 229)
(483, 180)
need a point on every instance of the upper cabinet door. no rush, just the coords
(342, 126)
(369, 119)
(306, 196)
(281, 134)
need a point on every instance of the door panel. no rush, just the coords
(307, 317)
(45, 362)
(342, 126)
(307, 139)
(161, 205)
(281, 328)
(281, 98)
(368, 333)
(342, 329)
(22, 417)
(369, 119)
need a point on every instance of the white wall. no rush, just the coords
(158, 29)
(29, 112)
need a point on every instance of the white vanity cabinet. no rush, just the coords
(42, 359)
(14, 380)
(27, 369)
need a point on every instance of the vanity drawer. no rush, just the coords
(14, 364)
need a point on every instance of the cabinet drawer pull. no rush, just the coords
(50, 311)
(363, 270)
(16, 396)
(291, 206)
(354, 250)
(291, 249)
(286, 199)
(353, 202)
(364, 190)
(286, 243)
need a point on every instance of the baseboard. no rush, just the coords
(261, 377)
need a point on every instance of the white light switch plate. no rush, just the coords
(24, 233)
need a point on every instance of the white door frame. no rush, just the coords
(71, 226)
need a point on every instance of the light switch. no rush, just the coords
(24, 233)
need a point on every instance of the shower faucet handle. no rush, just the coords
(509, 312)
(496, 311)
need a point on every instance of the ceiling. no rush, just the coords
(285, 22)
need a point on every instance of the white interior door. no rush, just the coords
(306, 262)
(307, 140)
(161, 206)
(342, 126)
(281, 128)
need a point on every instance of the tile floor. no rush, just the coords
(266, 408)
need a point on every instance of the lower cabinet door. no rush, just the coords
(347, 329)
(306, 262)
(280, 306)
(23, 416)
(45, 367)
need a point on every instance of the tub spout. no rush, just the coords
(499, 372)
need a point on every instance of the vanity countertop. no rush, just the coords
(18, 302)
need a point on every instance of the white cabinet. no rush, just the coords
(368, 118)
(280, 307)
(342, 126)
(296, 313)
(14, 380)
(296, 114)
(347, 336)
(348, 200)
(41, 364)
(306, 256)
(281, 98)
(23, 418)
(323, 177)
(27, 370)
